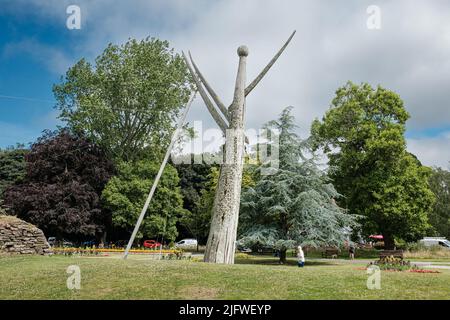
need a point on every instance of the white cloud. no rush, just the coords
(432, 151)
(410, 54)
(53, 58)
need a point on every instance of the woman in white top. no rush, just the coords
(300, 256)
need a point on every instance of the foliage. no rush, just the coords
(198, 185)
(393, 264)
(242, 256)
(128, 101)
(363, 136)
(2, 209)
(125, 195)
(60, 192)
(295, 205)
(193, 179)
(197, 220)
(439, 217)
(12, 166)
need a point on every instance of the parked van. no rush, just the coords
(435, 241)
(186, 243)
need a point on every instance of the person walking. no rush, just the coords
(351, 251)
(300, 256)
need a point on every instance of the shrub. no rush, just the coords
(393, 264)
(241, 255)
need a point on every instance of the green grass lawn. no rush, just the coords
(38, 277)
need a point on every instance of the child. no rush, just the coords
(300, 256)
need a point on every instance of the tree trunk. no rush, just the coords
(103, 238)
(389, 243)
(220, 247)
(283, 256)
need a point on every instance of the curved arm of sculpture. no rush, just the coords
(253, 84)
(210, 90)
(216, 116)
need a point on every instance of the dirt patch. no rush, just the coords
(201, 293)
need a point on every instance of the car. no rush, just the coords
(435, 241)
(241, 248)
(244, 249)
(152, 244)
(186, 243)
(66, 243)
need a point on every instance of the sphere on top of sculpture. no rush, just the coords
(242, 51)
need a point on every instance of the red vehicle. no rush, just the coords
(151, 244)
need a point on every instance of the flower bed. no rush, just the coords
(392, 264)
(98, 251)
(423, 271)
(397, 264)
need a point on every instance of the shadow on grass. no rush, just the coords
(273, 261)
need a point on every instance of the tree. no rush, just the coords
(125, 195)
(12, 166)
(194, 183)
(128, 101)
(363, 136)
(440, 215)
(197, 220)
(193, 179)
(60, 193)
(294, 205)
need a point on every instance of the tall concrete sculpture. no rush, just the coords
(222, 235)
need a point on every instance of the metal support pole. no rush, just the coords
(158, 176)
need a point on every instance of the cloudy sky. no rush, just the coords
(410, 54)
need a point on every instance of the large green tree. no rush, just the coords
(127, 102)
(440, 215)
(12, 166)
(193, 179)
(197, 219)
(363, 136)
(125, 195)
(294, 205)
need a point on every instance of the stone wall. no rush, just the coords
(20, 237)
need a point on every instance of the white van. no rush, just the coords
(435, 241)
(186, 243)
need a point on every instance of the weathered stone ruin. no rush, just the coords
(20, 237)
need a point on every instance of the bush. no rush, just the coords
(393, 264)
(415, 246)
(241, 255)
